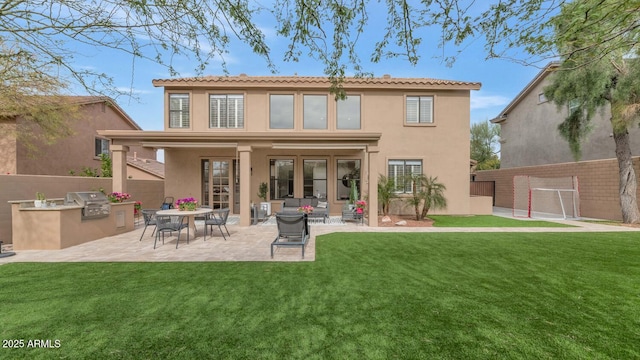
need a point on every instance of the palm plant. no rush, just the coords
(386, 192)
(427, 193)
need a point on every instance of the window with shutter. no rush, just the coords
(178, 110)
(419, 110)
(226, 111)
(401, 170)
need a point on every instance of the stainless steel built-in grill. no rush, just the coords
(94, 204)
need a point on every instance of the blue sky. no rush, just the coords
(501, 80)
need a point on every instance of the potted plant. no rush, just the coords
(262, 194)
(40, 200)
(353, 195)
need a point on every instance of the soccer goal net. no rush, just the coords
(546, 198)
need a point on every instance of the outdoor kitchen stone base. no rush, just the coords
(61, 226)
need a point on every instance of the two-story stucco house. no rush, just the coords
(529, 133)
(81, 149)
(225, 135)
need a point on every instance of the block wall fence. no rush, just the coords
(24, 187)
(598, 184)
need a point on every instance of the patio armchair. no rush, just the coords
(293, 230)
(171, 223)
(220, 220)
(352, 214)
(149, 220)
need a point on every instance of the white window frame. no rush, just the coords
(183, 121)
(419, 109)
(542, 98)
(104, 146)
(230, 106)
(402, 168)
(573, 104)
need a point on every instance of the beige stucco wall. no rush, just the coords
(76, 151)
(443, 147)
(24, 187)
(135, 173)
(8, 147)
(481, 205)
(61, 227)
(530, 136)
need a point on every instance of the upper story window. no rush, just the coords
(315, 111)
(573, 105)
(419, 110)
(541, 98)
(101, 146)
(281, 112)
(178, 110)
(401, 170)
(226, 111)
(348, 113)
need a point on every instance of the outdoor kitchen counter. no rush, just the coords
(62, 226)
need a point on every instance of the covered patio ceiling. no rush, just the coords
(224, 139)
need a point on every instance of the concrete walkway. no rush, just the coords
(246, 243)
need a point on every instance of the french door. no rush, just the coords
(221, 184)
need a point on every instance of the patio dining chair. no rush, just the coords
(218, 220)
(203, 216)
(167, 203)
(169, 224)
(149, 216)
(293, 230)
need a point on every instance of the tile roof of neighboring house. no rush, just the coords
(150, 166)
(276, 81)
(88, 100)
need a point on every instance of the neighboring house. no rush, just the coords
(144, 169)
(531, 145)
(529, 130)
(224, 135)
(82, 149)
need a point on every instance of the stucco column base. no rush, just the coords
(119, 168)
(245, 185)
(372, 206)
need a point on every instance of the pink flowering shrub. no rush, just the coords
(118, 197)
(306, 209)
(187, 203)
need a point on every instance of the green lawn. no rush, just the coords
(367, 296)
(489, 221)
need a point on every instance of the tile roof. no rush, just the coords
(77, 100)
(385, 80)
(150, 166)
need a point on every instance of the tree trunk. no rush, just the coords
(416, 203)
(628, 184)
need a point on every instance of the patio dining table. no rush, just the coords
(191, 215)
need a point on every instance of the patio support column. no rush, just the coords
(119, 166)
(372, 206)
(245, 184)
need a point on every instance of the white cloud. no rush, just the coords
(488, 101)
(127, 90)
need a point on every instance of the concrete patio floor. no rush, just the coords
(246, 243)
